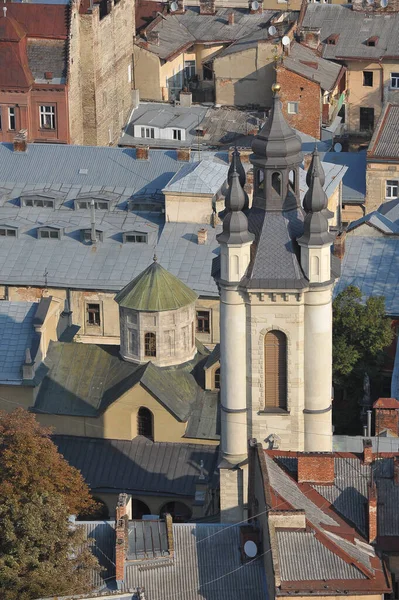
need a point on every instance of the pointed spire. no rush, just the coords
(315, 161)
(235, 223)
(316, 167)
(236, 165)
(316, 231)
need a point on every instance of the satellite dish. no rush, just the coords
(384, 3)
(174, 6)
(286, 40)
(370, 1)
(272, 30)
(254, 5)
(337, 147)
(250, 549)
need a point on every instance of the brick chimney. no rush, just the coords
(184, 154)
(386, 416)
(207, 7)
(21, 141)
(142, 152)
(153, 37)
(316, 467)
(339, 245)
(367, 452)
(311, 38)
(121, 531)
(202, 235)
(372, 512)
(169, 533)
(231, 18)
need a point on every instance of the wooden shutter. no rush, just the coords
(275, 370)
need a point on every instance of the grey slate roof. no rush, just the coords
(207, 564)
(204, 177)
(372, 264)
(385, 140)
(84, 379)
(303, 557)
(16, 335)
(304, 61)
(377, 220)
(47, 55)
(353, 28)
(177, 31)
(334, 174)
(354, 180)
(139, 465)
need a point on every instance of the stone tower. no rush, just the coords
(275, 283)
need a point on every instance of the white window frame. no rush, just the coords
(47, 116)
(49, 234)
(12, 118)
(395, 81)
(148, 132)
(177, 134)
(390, 186)
(292, 112)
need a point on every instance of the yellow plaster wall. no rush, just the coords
(15, 396)
(376, 176)
(146, 68)
(180, 208)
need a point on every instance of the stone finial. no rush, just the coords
(235, 223)
(315, 162)
(236, 165)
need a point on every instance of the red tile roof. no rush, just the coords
(386, 403)
(15, 70)
(10, 29)
(41, 20)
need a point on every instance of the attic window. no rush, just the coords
(49, 233)
(135, 238)
(85, 204)
(37, 202)
(332, 39)
(86, 235)
(6, 232)
(372, 41)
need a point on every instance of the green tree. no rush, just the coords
(41, 553)
(361, 332)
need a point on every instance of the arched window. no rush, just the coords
(275, 370)
(261, 177)
(179, 512)
(150, 344)
(145, 423)
(217, 379)
(276, 183)
(291, 179)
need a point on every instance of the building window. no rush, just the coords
(276, 183)
(332, 39)
(87, 235)
(85, 204)
(133, 341)
(292, 180)
(189, 69)
(366, 119)
(150, 344)
(135, 238)
(47, 117)
(145, 423)
(260, 179)
(395, 80)
(292, 108)
(372, 41)
(129, 73)
(49, 234)
(203, 321)
(275, 370)
(93, 315)
(147, 132)
(8, 232)
(391, 189)
(368, 78)
(11, 119)
(217, 379)
(37, 202)
(177, 134)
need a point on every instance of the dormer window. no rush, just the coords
(49, 233)
(85, 204)
(372, 41)
(332, 39)
(8, 231)
(37, 201)
(86, 235)
(135, 237)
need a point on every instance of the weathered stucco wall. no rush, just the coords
(377, 175)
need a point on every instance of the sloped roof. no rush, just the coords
(40, 20)
(138, 465)
(306, 62)
(16, 335)
(378, 221)
(10, 29)
(48, 56)
(353, 29)
(15, 71)
(385, 140)
(201, 177)
(155, 289)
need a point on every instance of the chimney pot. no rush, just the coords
(339, 245)
(48, 75)
(367, 451)
(231, 18)
(316, 467)
(202, 235)
(386, 416)
(121, 532)
(21, 141)
(184, 154)
(142, 152)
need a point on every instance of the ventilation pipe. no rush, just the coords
(93, 222)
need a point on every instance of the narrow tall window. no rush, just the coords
(145, 423)
(177, 134)
(47, 117)
(366, 119)
(93, 314)
(275, 370)
(217, 379)
(291, 179)
(368, 78)
(276, 183)
(203, 321)
(11, 119)
(150, 344)
(261, 178)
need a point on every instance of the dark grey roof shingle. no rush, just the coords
(385, 140)
(47, 56)
(306, 62)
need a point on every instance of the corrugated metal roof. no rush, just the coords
(139, 465)
(306, 62)
(147, 540)
(333, 177)
(101, 534)
(305, 558)
(385, 140)
(206, 564)
(202, 177)
(353, 29)
(354, 180)
(16, 335)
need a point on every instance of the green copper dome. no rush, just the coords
(155, 290)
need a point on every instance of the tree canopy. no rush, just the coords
(41, 553)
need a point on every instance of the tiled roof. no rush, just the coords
(306, 62)
(178, 31)
(139, 465)
(202, 177)
(15, 71)
(353, 28)
(385, 140)
(354, 180)
(47, 20)
(372, 264)
(378, 221)
(207, 564)
(16, 335)
(48, 56)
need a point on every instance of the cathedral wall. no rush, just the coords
(286, 315)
